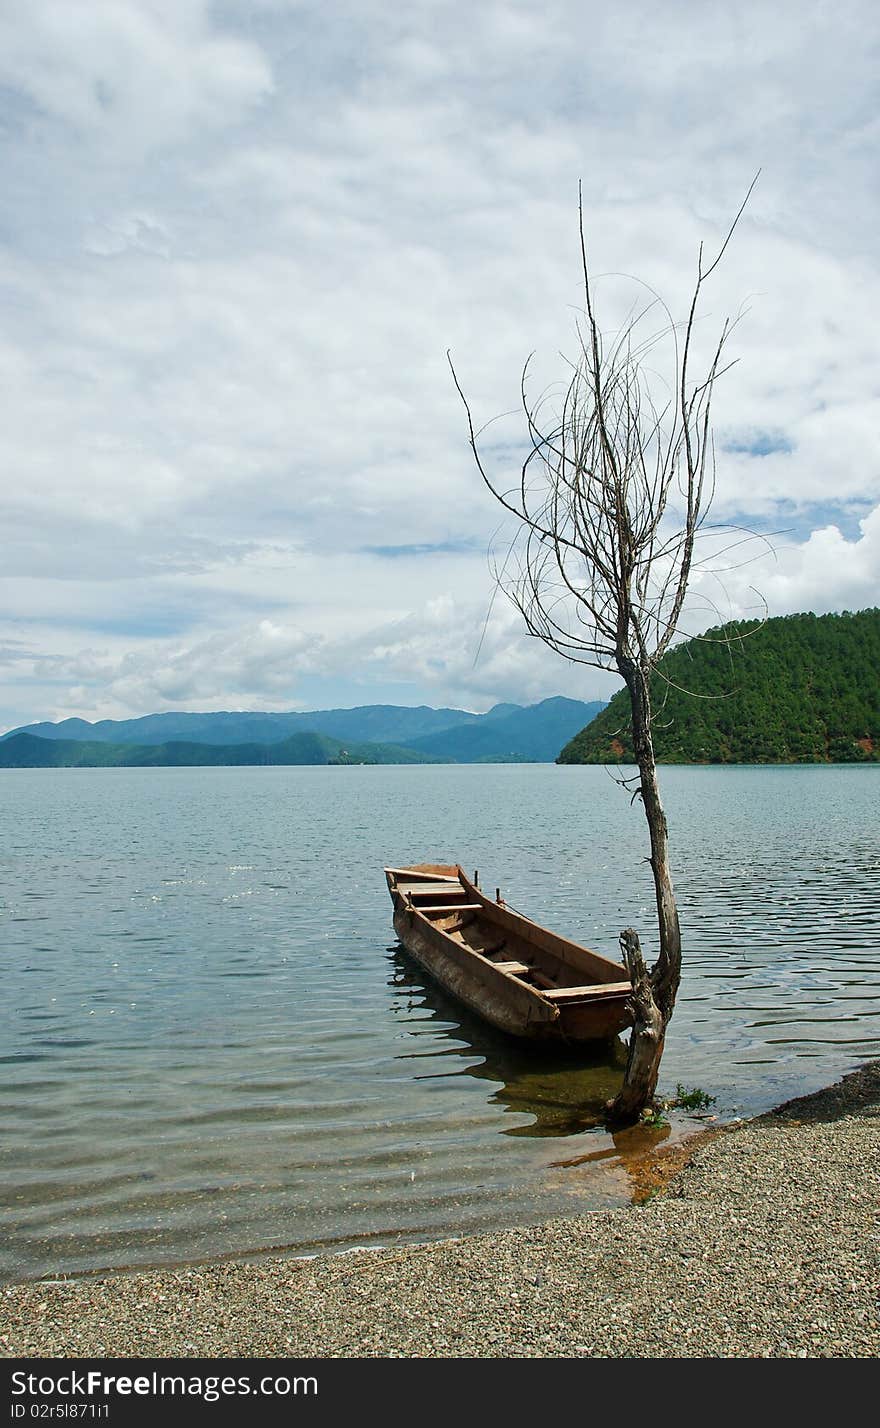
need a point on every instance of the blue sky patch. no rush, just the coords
(464, 546)
(760, 443)
(797, 522)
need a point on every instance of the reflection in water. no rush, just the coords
(564, 1091)
(629, 1146)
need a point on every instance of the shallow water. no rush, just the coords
(210, 1043)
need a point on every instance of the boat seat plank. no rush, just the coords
(452, 907)
(432, 889)
(516, 969)
(544, 981)
(494, 949)
(425, 878)
(595, 989)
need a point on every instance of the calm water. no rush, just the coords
(211, 1045)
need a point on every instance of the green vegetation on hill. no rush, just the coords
(28, 751)
(799, 689)
(510, 735)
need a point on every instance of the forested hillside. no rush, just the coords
(799, 689)
(29, 751)
(531, 735)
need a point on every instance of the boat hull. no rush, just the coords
(591, 1004)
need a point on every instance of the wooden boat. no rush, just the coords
(515, 974)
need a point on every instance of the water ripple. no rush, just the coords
(183, 1081)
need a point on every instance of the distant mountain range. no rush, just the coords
(26, 751)
(371, 734)
(373, 723)
(798, 689)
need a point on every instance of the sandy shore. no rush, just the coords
(762, 1242)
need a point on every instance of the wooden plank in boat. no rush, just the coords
(544, 982)
(452, 907)
(423, 877)
(516, 969)
(607, 989)
(441, 888)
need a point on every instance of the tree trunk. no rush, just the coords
(654, 992)
(646, 1039)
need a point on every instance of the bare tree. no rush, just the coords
(609, 502)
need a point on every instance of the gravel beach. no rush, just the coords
(760, 1242)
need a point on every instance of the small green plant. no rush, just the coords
(695, 1099)
(653, 1116)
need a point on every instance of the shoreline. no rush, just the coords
(648, 1168)
(751, 1239)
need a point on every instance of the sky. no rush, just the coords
(237, 241)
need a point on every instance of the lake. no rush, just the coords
(211, 1044)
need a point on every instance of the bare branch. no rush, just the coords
(609, 502)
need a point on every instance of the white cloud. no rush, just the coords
(776, 575)
(129, 76)
(261, 661)
(826, 572)
(239, 239)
